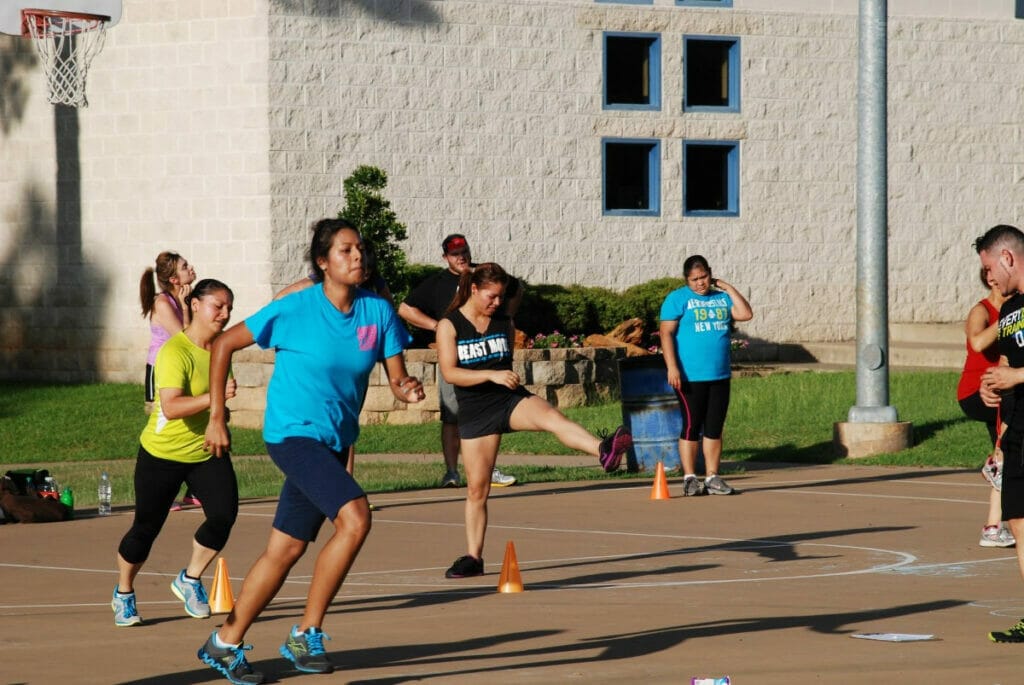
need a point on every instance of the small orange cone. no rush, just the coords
(510, 580)
(660, 489)
(222, 600)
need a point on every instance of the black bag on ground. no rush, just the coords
(23, 477)
(18, 508)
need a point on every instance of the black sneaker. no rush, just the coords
(306, 650)
(613, 447)
(230, 662)
(465, 567)
(1013, 634)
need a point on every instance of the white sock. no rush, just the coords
(220, 644)
(689, 476)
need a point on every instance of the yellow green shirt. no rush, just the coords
(179, 364)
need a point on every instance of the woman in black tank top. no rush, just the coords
(474, 352)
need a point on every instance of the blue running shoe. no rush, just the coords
(306, 650)
(193, 594)
(229, 662)
(125, 614)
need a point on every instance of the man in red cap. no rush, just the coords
(423, 308)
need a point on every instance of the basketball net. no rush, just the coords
(66, 43)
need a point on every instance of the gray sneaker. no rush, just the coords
(501, 480)
(193, 594)
(306, 650)
(450, 480)
(996, 536)
(716, 486)
(125, 613)
(229, 662)
(693, 487)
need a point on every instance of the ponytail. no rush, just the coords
(147, 292)
(166, 266)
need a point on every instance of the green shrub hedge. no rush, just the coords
(579, 309)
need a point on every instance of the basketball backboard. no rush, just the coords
(10, 10)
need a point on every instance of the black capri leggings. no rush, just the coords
(974, 408)
(157, 482)
(704, 405)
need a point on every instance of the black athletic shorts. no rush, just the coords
(491, 414)
(1013, 474)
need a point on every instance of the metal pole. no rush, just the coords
(872, 204)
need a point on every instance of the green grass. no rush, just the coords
(786, 417)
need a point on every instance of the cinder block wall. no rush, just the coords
(488, 117)
(171, 154)
(222, 130)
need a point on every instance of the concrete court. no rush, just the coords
(766, 587)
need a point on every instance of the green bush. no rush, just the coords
(578, 309)
(368, 210)
(644, 300)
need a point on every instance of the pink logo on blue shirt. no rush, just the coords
(367, 337)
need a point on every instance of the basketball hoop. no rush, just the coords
(66, 42)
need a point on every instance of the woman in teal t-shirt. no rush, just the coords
(327, 339)
(695, 325)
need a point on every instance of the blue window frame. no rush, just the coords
(711, 74)
(632, 70)
(704, 3)
(711, 178)
(631, 172)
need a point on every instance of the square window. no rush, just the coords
(711, 70)
(704, 3)
(632, 176)
(632, 71)
(711, 175)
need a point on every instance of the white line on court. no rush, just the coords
(904, 560)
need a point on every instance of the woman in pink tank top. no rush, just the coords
(167, 315)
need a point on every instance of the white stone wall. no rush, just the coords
(171, 154)
(488, 118)
(223, 129)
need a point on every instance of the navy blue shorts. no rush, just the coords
(316, 485)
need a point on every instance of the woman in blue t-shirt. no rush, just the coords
(695, 325)
(327, 340)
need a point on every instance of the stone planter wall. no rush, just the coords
(564, 377)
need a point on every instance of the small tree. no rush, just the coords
(368, 210)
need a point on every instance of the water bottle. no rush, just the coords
(67, 498)
(103, 495)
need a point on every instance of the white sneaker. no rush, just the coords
(996, 536)
(501, 480)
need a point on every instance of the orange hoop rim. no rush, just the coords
(37, 16)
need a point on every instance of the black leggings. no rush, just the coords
(974, 408)
(157, 482)
(704, 405)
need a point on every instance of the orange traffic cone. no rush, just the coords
(510, 580)
(660, 489)
(222, 600)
